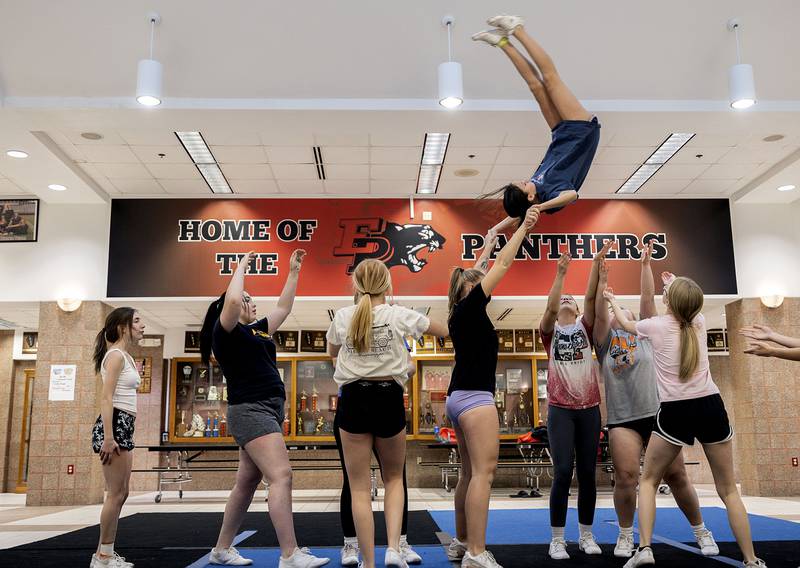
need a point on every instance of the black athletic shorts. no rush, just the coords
(679, 422)
(124, 424)
(643, 426)
(372, 407)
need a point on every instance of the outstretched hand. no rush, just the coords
(667, 278)
(531, 218)
(757, 331)
(759, 348)
(647, 252)
(296, 262)
(608, 294)
(601, 254)
(563, 263)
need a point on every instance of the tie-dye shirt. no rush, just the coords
(572, 380)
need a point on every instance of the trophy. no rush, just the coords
(213, 394)
(215, 430)
(333, 402)
(314, 397)
(523, 411)
(196, 427)
(320, 423)
(181, 429)
(207, 431)
(223, 426)
(225, 393)
(286, 426)
(303, 401)
(299, 423)
(187, 373)
(203, 375)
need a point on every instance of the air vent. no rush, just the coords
(318, 162)
(504, 315)
(331, 313)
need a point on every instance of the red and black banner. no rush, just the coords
(190, 247)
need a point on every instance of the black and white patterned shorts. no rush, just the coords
(123, 431)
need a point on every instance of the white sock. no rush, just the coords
(403, 539)
(351, 540)
(585, 530)
(107, 549)
(558, 532)
(627, 531)
(697, 529)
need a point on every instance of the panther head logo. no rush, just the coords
(391, 243)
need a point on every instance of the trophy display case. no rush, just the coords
(315, 398)
(200, 401)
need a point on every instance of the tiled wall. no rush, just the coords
(148, 419)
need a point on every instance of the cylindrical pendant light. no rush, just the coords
(741, 84)
(149, 73)
(451, 84)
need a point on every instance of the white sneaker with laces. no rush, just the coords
(492, 37)
(757, 563)
(115, 561)
(588, 545)
(408, 553)
(483, 560)
(228, 557)
(302, 558)
(625, 546)
(705, 540)
(394, 558)
(558, 549)
(505, 22)
(642, 557)
(349, 552)
(456, 550)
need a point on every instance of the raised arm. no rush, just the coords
(502, 225)
(564, 198)
(233, 295)
(602, 321)
(766, 350)
(591, 285)
(624, 322)
(548, 322)
(505, 257)
(490, 241)
(760, 332)
(277, 316)
(647, 300)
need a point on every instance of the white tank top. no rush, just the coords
(125, 393)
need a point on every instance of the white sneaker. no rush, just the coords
(350, 552)
(302, 558)
(558, 549)
(482, 560)
(492, 37)
(115, 561)
(757, 563)
(625, 546)
(394, 558)
(641, 558)
(408, 553)
(456, 550)
(708, 546)
(505, 22)
(588, 545)
(228, 557)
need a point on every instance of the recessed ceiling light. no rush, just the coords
(786, 187)
(57, 187)
(773, 138)
(16, 154)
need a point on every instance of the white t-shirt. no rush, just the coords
(388, 356)
(664, 333)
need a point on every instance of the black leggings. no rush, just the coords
(345, 502)
(574, 438)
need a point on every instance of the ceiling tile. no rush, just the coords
(345, 155)
(183, 186)
(531, 155)
(402, 188)
(395, 135)
(7, 187)
(239, 154)
(174, 171)
(656, 185)
(461, 188)
(681, 171)
(288, 137)
(343, 171)
(729, 171)
(108, 137)
(347, 187)
(395, 155)
(290, 154)
(392, 172)
(137, 185)
(108, 154)
(714, 139)
(601, 187)
(536, 135)
(508, 173)
(615, 156)
(709, 186)
(480, 155)
(300, 187)
(606, 172)
(464, 137)
(265, 186)
(294, 171)
(124, 171)
(708, 155)
(73, 152)
(174, 154)
(160, 137)
(215, 137)
(753, 155)
(341, 138)
(449, 172)
(250, 171)
(642, 137)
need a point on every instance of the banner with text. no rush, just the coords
(190, 247)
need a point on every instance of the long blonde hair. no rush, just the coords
(685, 300)
(370, 278)
(458, 279)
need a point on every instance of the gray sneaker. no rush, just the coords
(456, 550)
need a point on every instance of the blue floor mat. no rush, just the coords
(532, 526)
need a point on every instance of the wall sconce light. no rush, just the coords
(69, 304)
(772, 301)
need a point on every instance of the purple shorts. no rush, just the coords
(462, 400)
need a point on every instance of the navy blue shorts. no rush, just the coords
(568, 159)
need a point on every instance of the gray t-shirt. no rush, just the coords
(629, 375)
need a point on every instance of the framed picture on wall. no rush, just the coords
(191, 342)
(19, 220)
(30, 342)
(144, 366)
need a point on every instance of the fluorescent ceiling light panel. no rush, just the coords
(214, 178)
(204, 160)
(657, 159)
(430, 167)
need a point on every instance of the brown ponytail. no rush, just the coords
(685, 300)
(118, 318)
(370, 278)
(458, 278)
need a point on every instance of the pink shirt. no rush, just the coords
(572, 380)
(664, 333)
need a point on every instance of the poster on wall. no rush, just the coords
(62, 382)
(200, 243)
(19, 220)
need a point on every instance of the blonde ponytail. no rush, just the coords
(370, 278)
(685, 300)
(458, 278)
